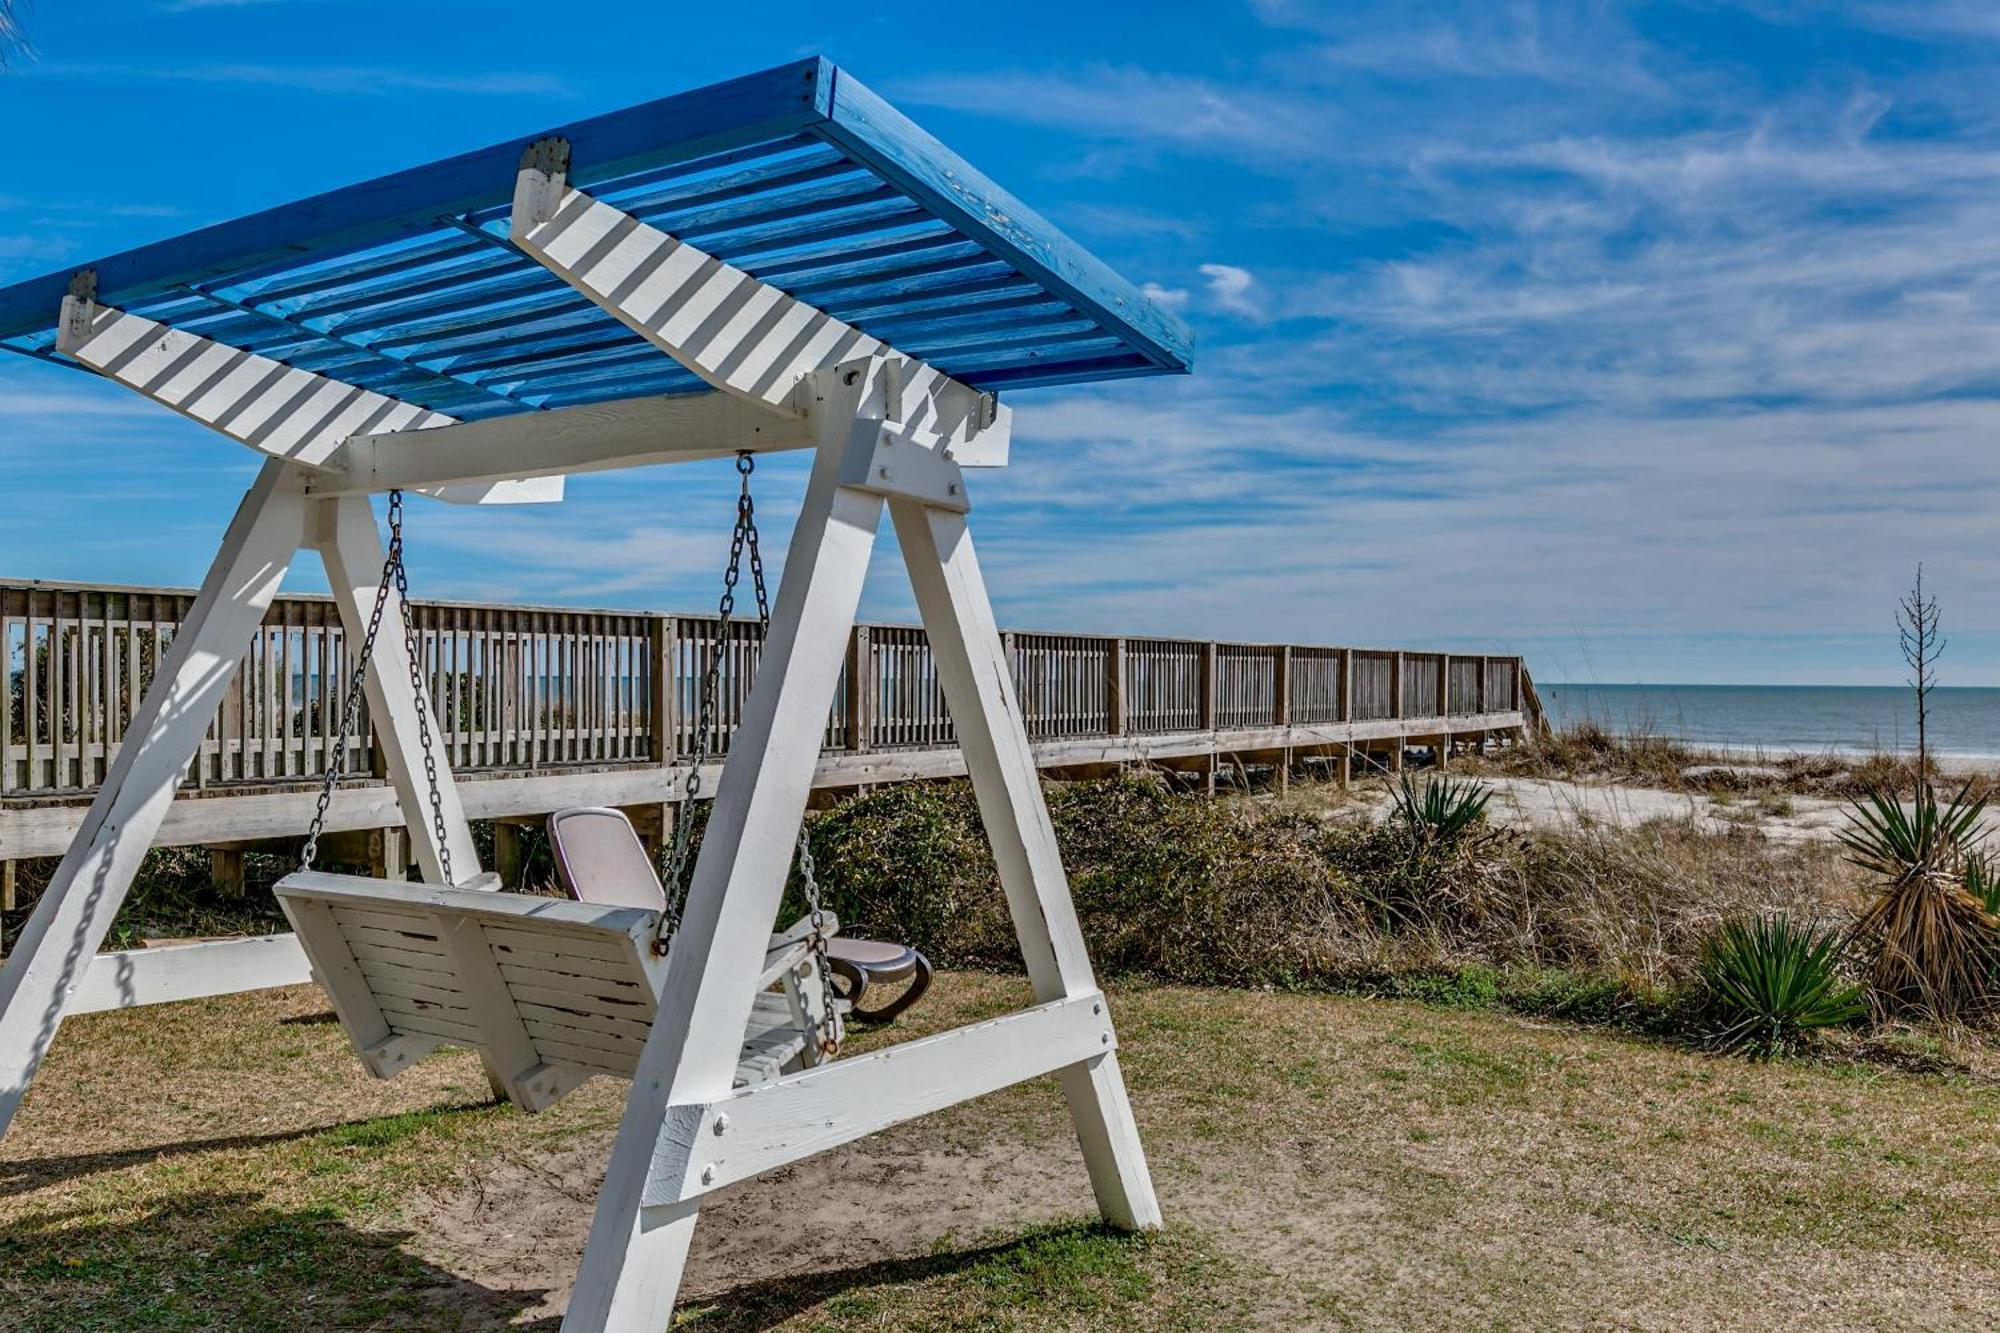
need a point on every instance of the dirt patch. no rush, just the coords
(520, 1223)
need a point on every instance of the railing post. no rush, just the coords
(862, 689)
(1208, 655)
(663, 696)
(1114, 687)
(1396, 711)
(1344, 698)
(1281, 691)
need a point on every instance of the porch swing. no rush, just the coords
(779, 262)
(551, 992)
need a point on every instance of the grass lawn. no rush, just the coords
(1323, 1162)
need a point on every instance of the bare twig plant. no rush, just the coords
(1931, 945)
(1919, 630)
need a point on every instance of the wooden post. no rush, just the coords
(507, 860)
(225, 870)
(1114, 687)
(1208, 667)
(389, 854)
(1396, 711)
(9, 885)
(861, 690)
(665, 663)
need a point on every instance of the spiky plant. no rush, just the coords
(1770, 980)
(1931, 941)
(1443, 812)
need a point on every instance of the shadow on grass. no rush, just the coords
(1080, 1269)
(22, 1175)
(216, 1260)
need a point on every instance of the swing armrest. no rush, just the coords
(791, 948)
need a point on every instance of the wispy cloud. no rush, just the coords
(366, 80)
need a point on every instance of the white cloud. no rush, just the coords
(1234, 289)
(1167, 298)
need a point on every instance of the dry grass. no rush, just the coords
(1324, 1163)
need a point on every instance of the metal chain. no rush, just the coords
(741, 539)
(418, 694)
(828, 1028)
(675, 878)
(394, 577)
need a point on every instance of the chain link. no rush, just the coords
(741, 539)
(394, 578)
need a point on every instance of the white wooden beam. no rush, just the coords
(168, 973)
(633, 1262)
(275, 409)
(763, 1127)
(986, 715)
(742, 335)
(52, 957)
(344, 531)
(632, 432)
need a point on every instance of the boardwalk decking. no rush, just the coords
(545, 707)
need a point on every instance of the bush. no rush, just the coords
(1769, 980)
(1932, 942)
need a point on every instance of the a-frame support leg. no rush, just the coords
(633, 1262)
(986, 714)
(76, 911)
(349, 542)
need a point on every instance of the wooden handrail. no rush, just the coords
(523, 689)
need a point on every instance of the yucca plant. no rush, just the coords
(1931, 937)
(1444, 811)
(1770, 980)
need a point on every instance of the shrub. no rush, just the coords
(1444, 811)
(1932, 944)
(1769, 980)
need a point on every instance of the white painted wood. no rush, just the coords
(979, 690)
(52, 956)
(908, 464)
(632, 432)
(349, 543)
(741, 335)
(271, 407)
(168, 973)
(633, 1262)
(761, 1128)
(504, 1040)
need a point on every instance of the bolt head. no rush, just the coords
(708, 1174)
(722, 1124)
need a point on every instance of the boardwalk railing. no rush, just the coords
(523, 690)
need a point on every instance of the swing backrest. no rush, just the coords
(600, 859)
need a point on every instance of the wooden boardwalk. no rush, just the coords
(545, 707)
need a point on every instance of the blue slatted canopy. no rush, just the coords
(799, 175)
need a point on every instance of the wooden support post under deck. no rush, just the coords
(507, 860)
(9, 885)
(225, 870)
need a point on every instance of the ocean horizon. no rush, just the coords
(1964, 720)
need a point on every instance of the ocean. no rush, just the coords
(1964, 722)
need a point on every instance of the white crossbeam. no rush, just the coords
(275, 409)
(595, 437)
(742, 335)
(766, 1126)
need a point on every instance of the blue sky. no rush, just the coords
(1656, 342)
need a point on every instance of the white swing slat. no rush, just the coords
(550, 991)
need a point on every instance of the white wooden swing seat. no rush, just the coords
(549, 991)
